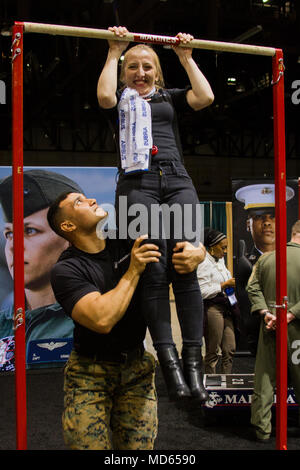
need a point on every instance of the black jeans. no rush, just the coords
(167, 183)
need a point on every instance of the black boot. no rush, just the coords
(192, 369)
(172, 372)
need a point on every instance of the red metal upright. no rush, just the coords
(18, 224)
(281, 270)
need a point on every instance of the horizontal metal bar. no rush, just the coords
(61, 30)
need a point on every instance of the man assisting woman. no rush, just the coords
(152, 173)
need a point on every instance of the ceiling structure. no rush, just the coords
(61, 114)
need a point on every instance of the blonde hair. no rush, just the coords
(159, 83)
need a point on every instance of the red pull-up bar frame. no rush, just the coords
(280, 198)
(18, 224)
(281, 257)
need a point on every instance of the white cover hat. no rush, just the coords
(260, 196)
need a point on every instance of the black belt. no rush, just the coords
(167, 165)
(119, 357)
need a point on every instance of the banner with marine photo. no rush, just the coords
(49, 332)
(253, 216)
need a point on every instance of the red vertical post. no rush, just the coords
(18, 225)
(281, 268)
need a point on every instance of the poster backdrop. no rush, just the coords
(48, 330)
(245, 251)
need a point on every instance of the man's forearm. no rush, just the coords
(113, 304)
(101, 312)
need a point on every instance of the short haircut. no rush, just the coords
(296, 228)
(54, 211)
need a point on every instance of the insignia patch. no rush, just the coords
(7, 354)
(49, 350)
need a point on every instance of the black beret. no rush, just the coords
(41, 188)
(212, 237)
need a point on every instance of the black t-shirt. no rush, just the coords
(165, 104)
(78, 273)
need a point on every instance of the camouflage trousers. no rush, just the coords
(109, 405)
